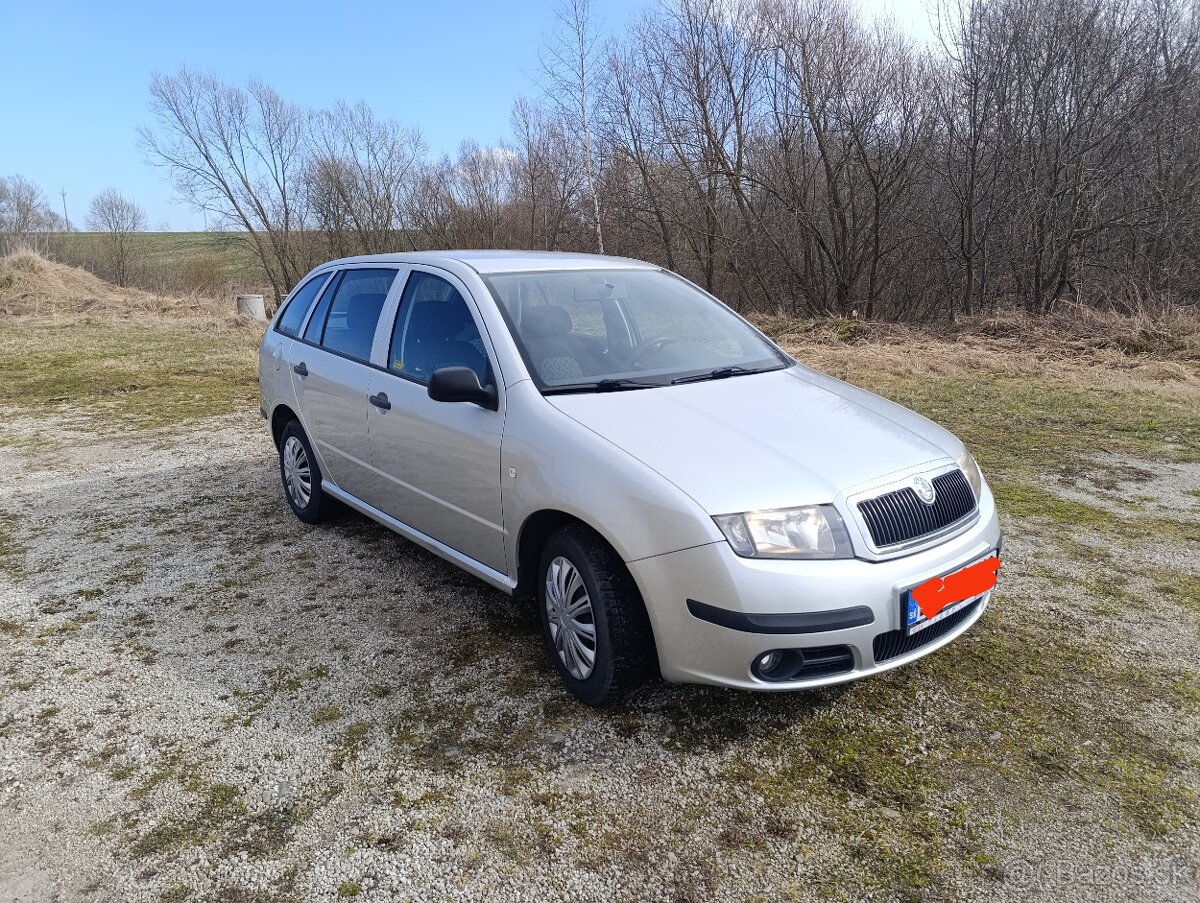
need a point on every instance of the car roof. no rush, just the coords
(500, 261)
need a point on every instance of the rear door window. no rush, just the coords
(297, 308)
(353, 313)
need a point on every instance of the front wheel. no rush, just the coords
(593, 621)
(301, 474)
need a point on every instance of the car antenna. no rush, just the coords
(411, 243)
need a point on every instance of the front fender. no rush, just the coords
(550, 461)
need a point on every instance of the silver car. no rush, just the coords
(678, 495)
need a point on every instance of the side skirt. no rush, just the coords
(470, 565)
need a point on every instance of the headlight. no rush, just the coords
(971, 471)
(815, 531)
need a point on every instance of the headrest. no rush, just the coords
(364, 310)
(544, 321)
(439, 320)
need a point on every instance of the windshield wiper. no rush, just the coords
(602, 385)
(719, 373)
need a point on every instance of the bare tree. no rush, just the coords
(570, 67)
(24, 212)
(639, 190)
(1164, 247)
(481, 189)
(971, 163)
(432, 208)
(239, 155)
(787, 154)
(547, 184)
(359, 178)
(117, 219)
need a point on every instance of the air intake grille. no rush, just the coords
(895, 643)
(822, 661)
(900, 516)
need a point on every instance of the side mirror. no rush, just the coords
(462, 384)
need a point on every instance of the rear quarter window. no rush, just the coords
(299, 305)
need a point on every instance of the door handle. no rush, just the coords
(300, 369)
(380, 401)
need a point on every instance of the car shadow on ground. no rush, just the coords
(680, 715)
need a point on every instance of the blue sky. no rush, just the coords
(76, 75)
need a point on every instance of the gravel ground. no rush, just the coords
(201, 698)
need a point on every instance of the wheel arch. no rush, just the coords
(280, 417)
(534, 534)
(535, 530)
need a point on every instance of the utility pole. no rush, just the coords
(66, 220)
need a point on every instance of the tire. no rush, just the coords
(622, 647)
(296, 458)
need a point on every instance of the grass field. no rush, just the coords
(141, 375)
(203, 261)
(203, 699)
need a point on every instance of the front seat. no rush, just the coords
(431, 341)
(545, 330)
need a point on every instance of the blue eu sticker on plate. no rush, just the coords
(914, 612)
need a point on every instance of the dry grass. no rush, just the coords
(57, 316)
(1079, 345)
(1071, 329)
(34, 286)
(76, 343)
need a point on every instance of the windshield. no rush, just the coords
(593, 330)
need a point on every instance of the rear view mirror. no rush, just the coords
(456, 384)
(602, 291)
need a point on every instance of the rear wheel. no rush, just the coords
(593, 621)
(301, 474)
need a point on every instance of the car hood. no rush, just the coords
(766, 440)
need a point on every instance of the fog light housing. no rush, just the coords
(778, 664)
(781, 665)
(768, 662)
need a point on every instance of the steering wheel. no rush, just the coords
(652, 347)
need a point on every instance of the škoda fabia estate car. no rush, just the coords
(597, 434)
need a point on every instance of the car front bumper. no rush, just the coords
(769, 595)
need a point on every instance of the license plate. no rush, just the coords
(936, 599)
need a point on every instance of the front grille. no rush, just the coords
(895, 643)
(899, 516)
